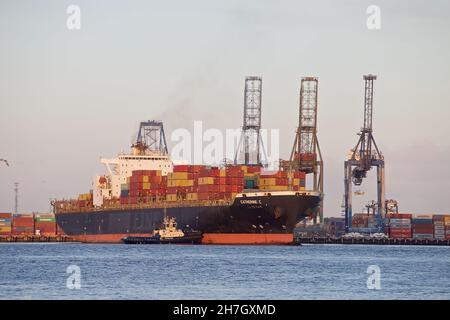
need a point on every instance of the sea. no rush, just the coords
(115, 271)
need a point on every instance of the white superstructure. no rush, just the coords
(122, 167)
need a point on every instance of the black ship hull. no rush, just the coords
(251, 213)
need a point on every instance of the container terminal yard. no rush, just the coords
(236, 203)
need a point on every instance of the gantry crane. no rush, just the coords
(362, 158)
(251, 140)
(151, 138)
(305, 154)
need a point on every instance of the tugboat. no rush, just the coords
(166, 235)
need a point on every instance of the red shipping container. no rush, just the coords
(172, 190)
(45, 227)
(400, 216)
(253, 169)
(23, 221)
(22, 230)
(281, 181)
(137, 173)
(425, 228)
(5, 215)
(400, 230)
(181, 168)
(203, 174)
(196, 168)
(208, 188)
(299, 175)
(203, 196)
(215, 172)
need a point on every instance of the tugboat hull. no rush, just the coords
(188, 238)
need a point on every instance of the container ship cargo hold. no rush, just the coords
(233, 204)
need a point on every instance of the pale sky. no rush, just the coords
(68, 97)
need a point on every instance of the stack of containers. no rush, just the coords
(439, 227)
(274, 182)
(447, 227)
(180, 183)
(23, 224)
(142, 185)
(251, 176)
(85, 200)
(422, 226)
(400, 225)
(209, 184)
(360, 220)
(280, 181)
(234, 180)
(125, 190)
(5, 224)
(298, 180)
(45, 224)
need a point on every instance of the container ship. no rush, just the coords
(231, 204)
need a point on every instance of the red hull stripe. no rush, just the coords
(208, 238)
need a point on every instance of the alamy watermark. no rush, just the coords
(374, 280)
(73, 21)
(74, 279)
(374, 19)
(212, 146)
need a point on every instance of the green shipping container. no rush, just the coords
(249, 184)
(45, 220)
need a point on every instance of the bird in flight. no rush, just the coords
(6, 162)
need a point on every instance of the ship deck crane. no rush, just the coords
(363, 157)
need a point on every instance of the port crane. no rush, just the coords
(305, 155)
(251, 141)
(362, 158)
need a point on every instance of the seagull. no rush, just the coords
(6, 162)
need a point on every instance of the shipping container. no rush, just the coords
(181, 168)
(422, 236)
(422, 221)
(423, 216)
(400, 216)
(5, 215)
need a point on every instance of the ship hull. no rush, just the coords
(255, 218)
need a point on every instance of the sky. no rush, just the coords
(69, 97)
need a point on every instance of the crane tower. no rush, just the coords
(363, 157)
(305, 155)
(251, 130)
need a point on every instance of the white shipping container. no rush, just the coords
(423, 216)
(422, 236)
(400, 221)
